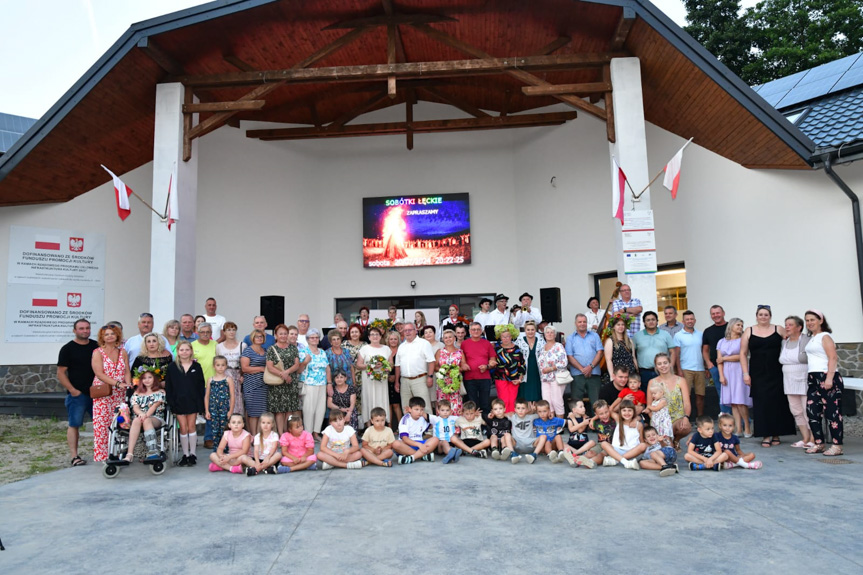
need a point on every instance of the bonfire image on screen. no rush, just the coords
(416, 231)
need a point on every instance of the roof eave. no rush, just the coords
(719, 73)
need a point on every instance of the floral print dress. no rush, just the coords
(454, 398)
(103, 407)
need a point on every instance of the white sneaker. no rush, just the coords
(495, 454)
(569, 457)
(325, 465)
(356, 464)
(505, 453)
(552, 456)
(585, 462)
(530, 457)
(631, 464)
(609, 461)
(516, 459)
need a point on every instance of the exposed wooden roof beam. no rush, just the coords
(383, 20)
(624, 25)
(165, 61)
(409, 120)
(358, 111)
(586, 88)
(456, 102)
(408, 70)
(553, 46)
(220, 118)
(238, 63)
(516, 72)
(610, 128)
(239, 106)
(426, 126)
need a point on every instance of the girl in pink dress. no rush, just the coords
(111, 366)
(450, 355)
(298, 447)
(237, 440)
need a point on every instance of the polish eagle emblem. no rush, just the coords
(73, 300)
(76, 244)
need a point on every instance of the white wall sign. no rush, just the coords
(39, 313)
(55, 257)
(54, 277)
(639, 242)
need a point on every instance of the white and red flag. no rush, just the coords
(44, 299)
(619, 194)
(43, 242)
(672, 171)
(121, 191)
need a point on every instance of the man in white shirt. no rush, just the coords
(499, 316)
(303, 324)
(527, 312)
(414, 367)
(484, 316)
(215, 320)
(134, 343)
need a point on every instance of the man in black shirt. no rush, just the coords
(612, 389)
(711, 336)
(75, 373)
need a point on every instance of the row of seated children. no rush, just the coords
(622, 439)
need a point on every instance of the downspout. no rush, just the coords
(855, 207)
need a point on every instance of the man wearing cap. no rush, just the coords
(527, 312)
(484, 316)
(500, 316)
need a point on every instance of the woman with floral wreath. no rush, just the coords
(510, 369)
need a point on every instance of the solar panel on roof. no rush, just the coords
(805, 93)
(782, 84)
(851, 78)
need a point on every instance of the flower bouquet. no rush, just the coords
(448, 378)
(378, 368)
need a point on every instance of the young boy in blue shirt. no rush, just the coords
(443, 427)
(704, 451)
(548, 429)
(410, 445)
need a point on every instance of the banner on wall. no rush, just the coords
(40, 313)
(56, 257)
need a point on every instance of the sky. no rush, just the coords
(47, 45)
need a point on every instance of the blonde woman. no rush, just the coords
(171, 332)
(619, 349)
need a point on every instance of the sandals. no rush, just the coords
(78, 462)
(833, 451)
(775, 441)
(765, 443)
(817, 448)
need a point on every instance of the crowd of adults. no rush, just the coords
(782, 377)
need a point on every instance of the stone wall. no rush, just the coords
(28, 379)
(851, 365)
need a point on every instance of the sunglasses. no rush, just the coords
(145, 314)
(763, 306)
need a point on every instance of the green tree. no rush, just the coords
(718, 26)
(793, 35)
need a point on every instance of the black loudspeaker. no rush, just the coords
(273, 308)
(549, 303)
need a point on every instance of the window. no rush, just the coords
(670, 287)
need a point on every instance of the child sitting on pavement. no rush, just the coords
(578, 442)
(658, 456)
(730, 445)
(522, 431)
(470, 437)
(626, 443)
(410, 445)
(444, 426)
(378, 440)
(500, 432)
(704, 450)
(548, 429)
(604, 425)
(339, 447)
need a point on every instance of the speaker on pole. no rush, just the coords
(549, 303)
(273, 308)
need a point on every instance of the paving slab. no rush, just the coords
(795, 515)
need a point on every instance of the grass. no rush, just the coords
(32, 446)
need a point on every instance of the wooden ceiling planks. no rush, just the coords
(113, 122)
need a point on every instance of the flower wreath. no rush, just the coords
(378, 368)
(499, 329)
(627, 320)
(156, 370)
(384, 325)
(448, 378)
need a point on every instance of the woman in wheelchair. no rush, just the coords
(148, 407)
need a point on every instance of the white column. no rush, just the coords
(172, 253)
(630, 149)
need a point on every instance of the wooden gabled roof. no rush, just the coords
(324, 63)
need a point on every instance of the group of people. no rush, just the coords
(265, 398)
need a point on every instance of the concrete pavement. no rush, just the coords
(795, 515)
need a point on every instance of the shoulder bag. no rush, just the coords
(271, 378)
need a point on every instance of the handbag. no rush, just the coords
(271, 378)
(100, 391)
(563, 376)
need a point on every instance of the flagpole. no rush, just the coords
(161, 217)
(170, 185)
